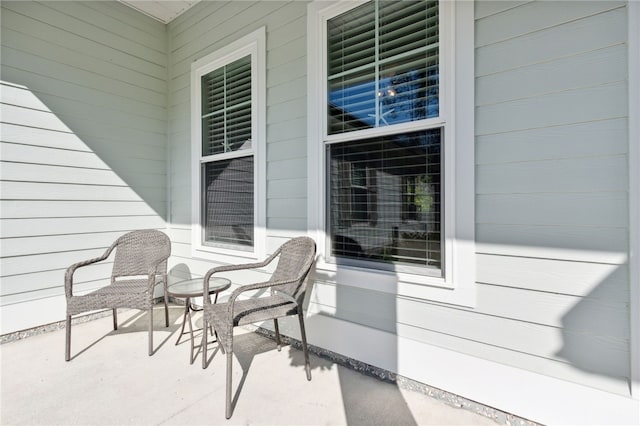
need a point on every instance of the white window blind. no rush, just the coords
(226, 108)
(383, 65)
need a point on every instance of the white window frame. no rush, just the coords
(457, 86)
(253, 44)
(634, 194)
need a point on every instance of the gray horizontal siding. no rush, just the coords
(558, 142)
(551, 179)
(545, 332)
(605, 281)
(518, 19)
(585, 32)
(83, 138)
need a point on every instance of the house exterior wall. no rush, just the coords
(551, 189)
(83, 142)
(552, 290)
(201, 30)
(90, 146)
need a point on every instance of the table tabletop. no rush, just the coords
(194, 287)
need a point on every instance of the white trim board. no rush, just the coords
(522, 393)
(253, 44)
(634, 194)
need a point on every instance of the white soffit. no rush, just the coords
(163, 10)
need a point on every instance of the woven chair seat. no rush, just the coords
(131, 293)
(247, 312)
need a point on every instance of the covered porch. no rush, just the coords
(537, 314)
(112, 380)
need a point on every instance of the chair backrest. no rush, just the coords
(295, 260)
(138, 251)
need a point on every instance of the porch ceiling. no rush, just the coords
(163, 10)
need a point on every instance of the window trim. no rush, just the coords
(253, 44)
(457, 119)
(633, 65)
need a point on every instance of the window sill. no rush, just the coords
(402, 284)
(222, 255)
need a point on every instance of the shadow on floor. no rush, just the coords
(138, 322)
(356, 390)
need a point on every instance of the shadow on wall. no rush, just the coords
(74, 154)
(588, 330)
(73, 180)
(179, 272)
(595, 331)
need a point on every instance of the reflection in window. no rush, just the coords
(384, 74)
(385, 199)
(228, 202)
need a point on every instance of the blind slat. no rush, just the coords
(398, 84)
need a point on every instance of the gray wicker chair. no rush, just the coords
(140, 258)
(288, 284)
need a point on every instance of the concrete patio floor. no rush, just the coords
(112, 381)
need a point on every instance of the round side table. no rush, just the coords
(188, 289)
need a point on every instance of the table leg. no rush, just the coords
(215, 300)
(187, 304)
(186, 318)
(191, 359)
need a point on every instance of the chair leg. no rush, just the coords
(277, 329)
(204, 342)
(303, 335)
(166, 309)
(228, 398)
(67, 351)
(151, 331)
(115, 318)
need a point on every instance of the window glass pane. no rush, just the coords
(352, 102)
(351, 40)
(227, 205)
(239, 82)
(406, 26)
(213, 134)
(213, 91)
(407, 93)
(385, 199)
(226, 108)
(383, 65)
(238, 130)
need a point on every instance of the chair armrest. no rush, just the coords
(68, 276)
(228, 268)
(257, 286)
(152, 273)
